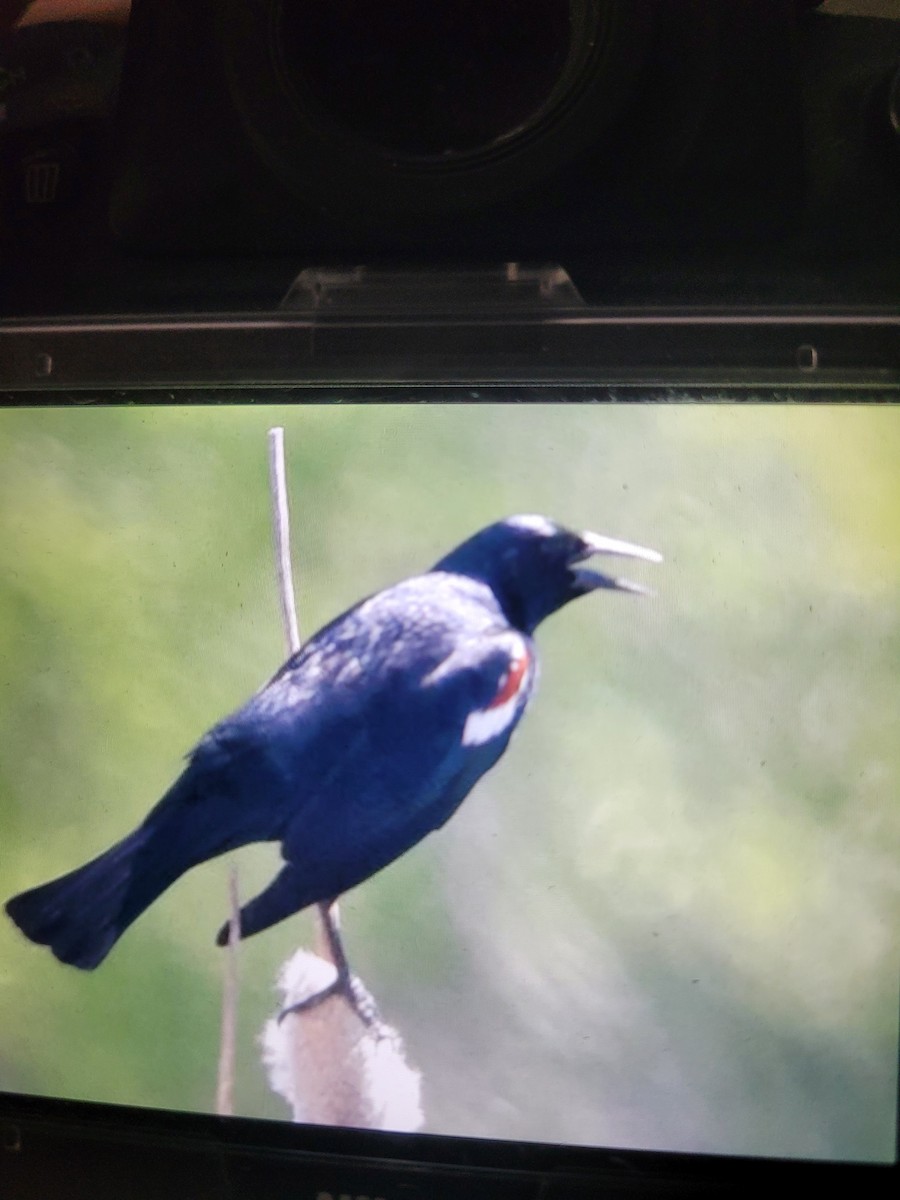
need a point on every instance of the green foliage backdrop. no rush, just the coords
(670, 916)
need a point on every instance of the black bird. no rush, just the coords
(367, 739)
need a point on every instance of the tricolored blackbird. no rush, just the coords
(367, 739)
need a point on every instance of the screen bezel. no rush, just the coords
(102, 1144)
(775, 351)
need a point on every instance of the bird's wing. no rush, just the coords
(410, 754)
(400, 770)
(352, 765)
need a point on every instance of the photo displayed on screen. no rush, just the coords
(597, 745)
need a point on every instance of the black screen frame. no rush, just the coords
(756, 352)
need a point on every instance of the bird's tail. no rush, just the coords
(80, 916)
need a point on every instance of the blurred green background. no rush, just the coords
(669, 917)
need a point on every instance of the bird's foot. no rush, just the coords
(351, 989)
(311, 1002)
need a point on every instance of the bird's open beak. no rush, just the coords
(596, 543)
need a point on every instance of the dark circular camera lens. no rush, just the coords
(379, 112)
(426, 78)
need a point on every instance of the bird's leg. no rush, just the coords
(345, 983)
(330, 916)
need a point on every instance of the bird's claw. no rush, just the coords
(347, 986)
(311, 1001)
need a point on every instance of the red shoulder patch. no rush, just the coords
(512, 680)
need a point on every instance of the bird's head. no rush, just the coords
(534, 566)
